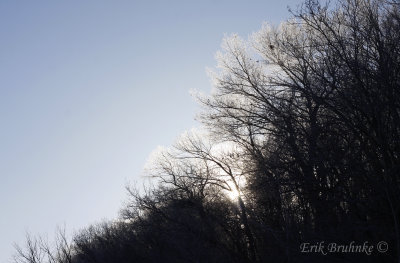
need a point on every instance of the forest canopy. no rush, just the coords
(299, 144)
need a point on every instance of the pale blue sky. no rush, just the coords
(89, 88)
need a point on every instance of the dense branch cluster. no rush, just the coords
(303, 125)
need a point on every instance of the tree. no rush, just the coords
(316, 113)
(200, 169)
(38, 249)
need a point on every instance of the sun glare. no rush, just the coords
(233, 194)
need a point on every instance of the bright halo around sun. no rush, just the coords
(233, 194)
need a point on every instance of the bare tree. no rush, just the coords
(32, 253)
(38, 249)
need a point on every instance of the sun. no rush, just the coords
(233, 188)
(233, 194)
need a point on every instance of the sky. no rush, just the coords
(88, 89)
